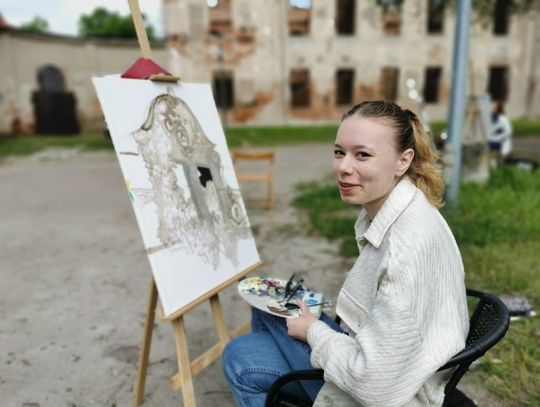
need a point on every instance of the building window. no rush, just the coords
(432, 84)
(219, 13)
(391, 17)
(498, 83)
(435, 20)
(389, 83)
(345, 16)
(223, 85)
(501, 16)
(344, 86)
(299, 82)
(299, 17)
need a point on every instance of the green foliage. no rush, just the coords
(483, 9)
(506, 209)
(328, 215)
(526, 127)
(497, 227)
(108, 24)
(272, 135)
(24, 145)
(37, 25)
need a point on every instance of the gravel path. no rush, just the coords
(75, 281)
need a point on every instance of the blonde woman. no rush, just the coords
(403, 302)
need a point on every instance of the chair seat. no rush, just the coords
(458, 399)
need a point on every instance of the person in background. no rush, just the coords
(500, 140)
(403, 303)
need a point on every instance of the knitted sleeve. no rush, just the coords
(383, 365)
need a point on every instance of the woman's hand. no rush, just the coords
(298, 327)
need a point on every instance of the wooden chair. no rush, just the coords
(265, 177)
(488, 325)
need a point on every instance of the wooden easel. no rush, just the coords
(145, 68)
(183, 380)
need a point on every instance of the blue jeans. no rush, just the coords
(253, 362)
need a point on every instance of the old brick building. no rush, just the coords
(274, 63)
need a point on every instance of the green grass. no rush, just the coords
(24, 145)
(522, 127)
(236, 137)
(269, 136)
(497, 226)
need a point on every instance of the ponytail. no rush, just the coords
(425, 170)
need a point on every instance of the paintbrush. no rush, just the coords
(284, 309)
(293, 291)
(291, 306)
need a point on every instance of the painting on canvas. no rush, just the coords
(178, 171)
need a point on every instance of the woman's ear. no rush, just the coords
(405, 161)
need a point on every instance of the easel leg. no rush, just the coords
(184, 364)
(217, 312)
(145, 349)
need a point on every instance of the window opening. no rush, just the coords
(344, 86)
(299, 83)
(432, 84)
(299, 16)
(389, 83)
(345, 16)
(223, 85)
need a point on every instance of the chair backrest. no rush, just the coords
(253, 155)
(488, 325)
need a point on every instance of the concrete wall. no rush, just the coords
(22, 54)
(262, 66)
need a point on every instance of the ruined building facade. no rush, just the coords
(24, 56)
(273, 63)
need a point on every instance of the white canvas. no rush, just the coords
(178, 171)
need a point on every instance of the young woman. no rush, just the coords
(403, 301)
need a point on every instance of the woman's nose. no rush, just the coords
(345, 165)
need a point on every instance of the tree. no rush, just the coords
(483, 8)
(37, 25)
(107, 24)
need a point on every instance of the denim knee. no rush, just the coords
(228, 359)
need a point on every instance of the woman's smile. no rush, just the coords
(347, 188)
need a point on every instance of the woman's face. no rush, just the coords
(366, 162)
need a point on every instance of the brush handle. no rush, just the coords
(295, 306)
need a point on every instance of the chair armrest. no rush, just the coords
(311, 374)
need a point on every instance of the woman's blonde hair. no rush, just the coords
(424, 170)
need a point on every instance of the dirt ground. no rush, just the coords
(75, 282)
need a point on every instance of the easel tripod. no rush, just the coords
(183, 380)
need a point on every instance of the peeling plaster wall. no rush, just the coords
(22, 54)
(261, 69)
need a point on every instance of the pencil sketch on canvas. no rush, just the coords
(179, 175)
(207, 217)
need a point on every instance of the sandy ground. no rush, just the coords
(75, 282)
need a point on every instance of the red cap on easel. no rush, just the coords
(143, 68)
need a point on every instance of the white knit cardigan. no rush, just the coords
(405, 302)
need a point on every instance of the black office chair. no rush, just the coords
(488, 325)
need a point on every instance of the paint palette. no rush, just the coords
(267, 294)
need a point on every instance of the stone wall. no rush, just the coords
(22, 54)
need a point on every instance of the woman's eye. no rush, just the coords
(362, 154)
(338, 153)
